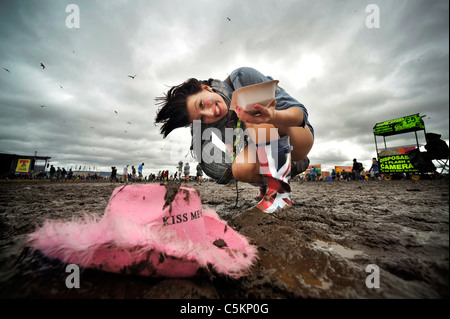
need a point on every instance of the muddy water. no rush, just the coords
(318, 249)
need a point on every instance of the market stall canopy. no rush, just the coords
(401, 125)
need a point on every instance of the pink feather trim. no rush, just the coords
(124, 245)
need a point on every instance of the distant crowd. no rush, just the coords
(129, 175)
(181, 174)
(356, 174)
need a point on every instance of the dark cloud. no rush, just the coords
(348, 76)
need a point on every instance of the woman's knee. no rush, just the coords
(246, 172)
(302, 141)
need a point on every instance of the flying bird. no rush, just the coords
(43, 66)
(228, 19)
(6, 70)
(43, 105)
(132, 76)
(129, 123)
(115, 112)
(61, 87)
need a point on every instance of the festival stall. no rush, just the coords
(396, 161)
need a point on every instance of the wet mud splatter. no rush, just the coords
(220, 243)
(172, 189)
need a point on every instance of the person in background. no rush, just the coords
(63, 174)
(52, 173)
(133, 173)
(312, 173)
(180, 169)
(199, 174)
(318, 173)
(357, 169)
(186, 172)
(58, 173)
(70, 174)
(344, 175)
(140, 168)
(374, 169)
(113, 174)
(125, 174)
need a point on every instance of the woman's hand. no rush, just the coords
(260, 115)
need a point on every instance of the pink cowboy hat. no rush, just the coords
(151, 231)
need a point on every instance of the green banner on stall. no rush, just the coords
(404, 124)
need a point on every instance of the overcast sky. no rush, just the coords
(324, 54)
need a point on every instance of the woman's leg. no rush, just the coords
(301, 140)
(268, 162)
(246, 165)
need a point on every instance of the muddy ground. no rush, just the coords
(318, 249)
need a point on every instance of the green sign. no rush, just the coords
(396, 164)
(404, 124)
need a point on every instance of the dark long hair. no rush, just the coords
(173, 107)
(173, 114)
(173, 111)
